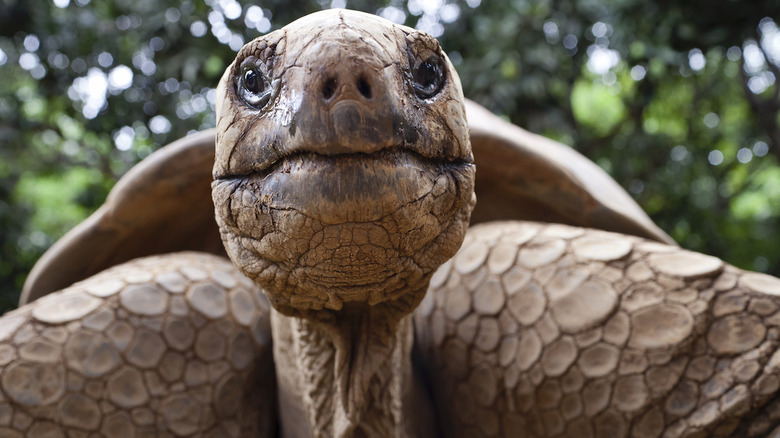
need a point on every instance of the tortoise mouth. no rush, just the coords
(348, 187)
(279, 160)
(391, 156)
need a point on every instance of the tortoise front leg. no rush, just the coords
(549, 331)
(173, 345)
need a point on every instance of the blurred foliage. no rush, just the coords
(677, 100)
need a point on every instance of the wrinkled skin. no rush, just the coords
(345, 186)
(343, 179)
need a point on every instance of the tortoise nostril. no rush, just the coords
(329, 88)
(364, 87)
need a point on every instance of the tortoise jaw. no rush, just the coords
(348, 187)
(316, 231)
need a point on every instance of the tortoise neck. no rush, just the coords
(347, 376)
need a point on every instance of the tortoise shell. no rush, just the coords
(163, 204)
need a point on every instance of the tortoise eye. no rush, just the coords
(428, 77)
(253, 87)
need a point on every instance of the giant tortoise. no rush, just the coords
(343, 187)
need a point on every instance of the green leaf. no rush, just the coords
(597, 107)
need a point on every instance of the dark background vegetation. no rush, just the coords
(677, 100)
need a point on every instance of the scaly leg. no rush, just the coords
(538, 330)
(172, 345)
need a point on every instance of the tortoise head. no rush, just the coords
(343, 173)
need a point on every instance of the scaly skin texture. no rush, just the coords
(536, 330)
(161, 346)
(529, 330)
